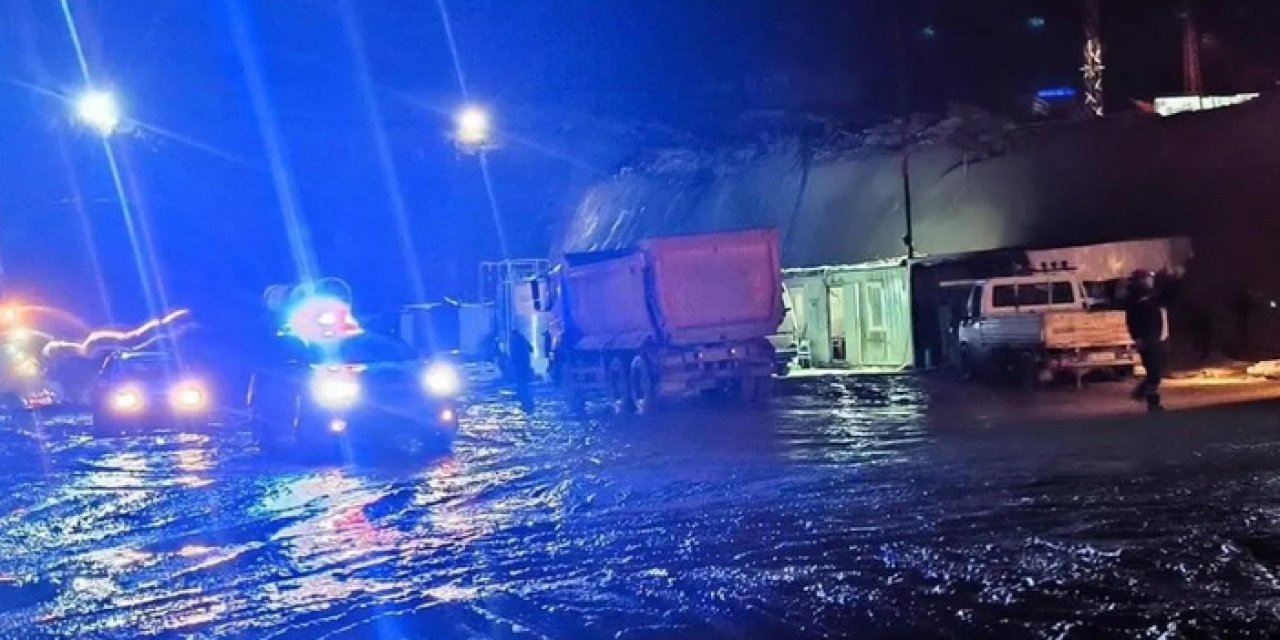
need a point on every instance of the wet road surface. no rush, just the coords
(867, 507)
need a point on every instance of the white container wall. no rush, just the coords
(854, 316)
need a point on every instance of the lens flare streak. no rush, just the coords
(296, 230)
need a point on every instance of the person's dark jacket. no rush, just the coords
(1144, 314)
(521, 357)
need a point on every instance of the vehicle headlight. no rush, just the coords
(335, 391)
(126, 400)
(441, 379)
(188, 396)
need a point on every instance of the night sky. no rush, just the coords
(563, 78)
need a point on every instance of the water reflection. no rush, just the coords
(330, 538)
(839, 505)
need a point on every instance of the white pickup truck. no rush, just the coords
(1039, 327)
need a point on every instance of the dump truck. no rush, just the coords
(667, 318)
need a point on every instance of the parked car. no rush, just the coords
(362, 386)
(1037, 327)
(147, 388)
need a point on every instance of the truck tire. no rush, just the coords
(755, 390)
(618, 376)
(1027, 372)
(644, 397)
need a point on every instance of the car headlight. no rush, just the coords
(335, 391)
(126, 400)
(441, 379)
(188, 396)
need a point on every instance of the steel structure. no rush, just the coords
(1093, 65)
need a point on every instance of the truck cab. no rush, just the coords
(1040, 326)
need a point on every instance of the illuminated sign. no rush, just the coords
(1056, 93)
(1181, 104)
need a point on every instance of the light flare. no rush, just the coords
(90, 343)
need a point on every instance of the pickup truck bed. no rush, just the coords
(1058, 330)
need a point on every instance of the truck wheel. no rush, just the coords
(619, 387)
(1028, 372)
(755, 390)
(643, 386)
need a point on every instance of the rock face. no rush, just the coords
(978, 184)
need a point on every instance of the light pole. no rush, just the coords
(100, 111)
(473, 134)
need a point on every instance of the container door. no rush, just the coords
(852, 322)
(875, 324)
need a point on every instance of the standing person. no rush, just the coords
(520, 368)
(1144, 314)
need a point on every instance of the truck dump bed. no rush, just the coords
(680, 290)
(716, 286)
(607, 302)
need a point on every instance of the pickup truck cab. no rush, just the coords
(1039, 327)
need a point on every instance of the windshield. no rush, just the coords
(1032, 294)
(149, 366)
(362, 349)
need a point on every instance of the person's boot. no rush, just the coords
(1153, 403)
(1139, 392)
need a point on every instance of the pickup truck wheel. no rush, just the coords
(643, 386)
(619, 387)
(1027, 371)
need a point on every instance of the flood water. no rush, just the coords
(852, 508)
